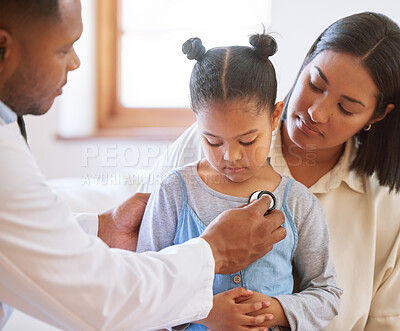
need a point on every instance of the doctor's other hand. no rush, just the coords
(242, 235)
(119, 227)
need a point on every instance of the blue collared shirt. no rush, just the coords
(6, 114)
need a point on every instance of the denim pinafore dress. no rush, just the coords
(270, 275)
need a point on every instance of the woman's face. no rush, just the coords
(333, 99)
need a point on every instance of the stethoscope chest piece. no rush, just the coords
(258, 194)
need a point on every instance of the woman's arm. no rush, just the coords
(186, 149)
(384, 311)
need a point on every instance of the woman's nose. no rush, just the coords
(319, 113)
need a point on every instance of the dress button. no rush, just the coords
(236, 279)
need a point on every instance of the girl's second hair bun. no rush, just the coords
(194, 49)
(264, 45)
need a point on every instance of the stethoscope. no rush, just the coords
(258, 194)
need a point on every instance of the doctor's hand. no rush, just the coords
(242, 235)
(119, 227)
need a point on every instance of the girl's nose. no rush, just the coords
(232, 154)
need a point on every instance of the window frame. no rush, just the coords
(111, 114)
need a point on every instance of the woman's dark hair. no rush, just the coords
(224, 74)
(374, 38)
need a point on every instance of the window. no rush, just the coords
(143, 75)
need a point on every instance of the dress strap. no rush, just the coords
(183, 187)
(287, 190)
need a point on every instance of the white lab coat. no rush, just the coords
(51, 269)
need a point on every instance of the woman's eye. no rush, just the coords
(248, 143)
(314, 87)
(344, 111)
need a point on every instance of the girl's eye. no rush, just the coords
(314, 87)
(213, 145)
(344, 111)
(248, 143)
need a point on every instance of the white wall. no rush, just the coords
(73, 115)
(297, 23)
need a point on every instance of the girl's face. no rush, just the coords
(333, 99)
(236, 141)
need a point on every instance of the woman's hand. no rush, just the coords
(227, 314)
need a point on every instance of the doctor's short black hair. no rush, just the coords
(24, 10)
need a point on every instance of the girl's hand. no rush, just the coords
(274, 309)
(227, 314)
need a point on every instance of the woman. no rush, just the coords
(340, 136)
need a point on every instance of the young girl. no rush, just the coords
(233, 91)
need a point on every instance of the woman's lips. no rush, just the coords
(307, 128)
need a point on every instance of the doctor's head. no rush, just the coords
(233, 92)
(36, 51)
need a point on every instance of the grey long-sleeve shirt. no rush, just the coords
(316, 299)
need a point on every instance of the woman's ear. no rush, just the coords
(389, 108)
(277, 114)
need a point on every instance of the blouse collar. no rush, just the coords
(340, 173)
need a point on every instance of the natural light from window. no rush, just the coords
(154, 71)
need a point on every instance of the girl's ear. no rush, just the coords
(277, 114)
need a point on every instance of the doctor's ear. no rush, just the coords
(5, 43)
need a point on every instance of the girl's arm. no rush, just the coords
(158, 226)
(317, 297)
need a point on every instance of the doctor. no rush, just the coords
(49, 267)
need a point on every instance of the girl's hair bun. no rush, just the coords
(264, 45)
(194, 49)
